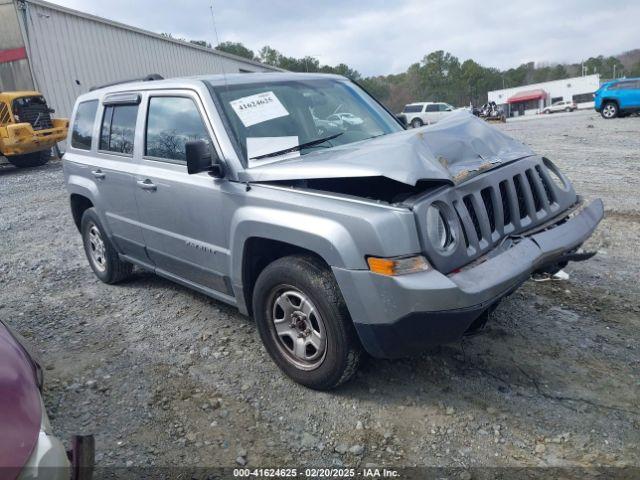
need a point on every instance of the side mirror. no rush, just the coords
(52, 110)
(402, 119)
(200, 158)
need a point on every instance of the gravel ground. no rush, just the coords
(165, 376)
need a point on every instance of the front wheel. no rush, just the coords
(610, 110)
(304, 323)
(27, 160)
(416, 123)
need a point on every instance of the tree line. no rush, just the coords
(441, 76)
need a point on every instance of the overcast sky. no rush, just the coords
(381, 37)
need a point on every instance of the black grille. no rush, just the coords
(545, 183)
(33, 110)
(488, 205)
(474, 216)
(506, 209)
(522, 202)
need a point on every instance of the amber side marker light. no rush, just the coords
(398, 265)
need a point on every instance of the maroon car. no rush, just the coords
(28, 448)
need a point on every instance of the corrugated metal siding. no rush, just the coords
(69, 52)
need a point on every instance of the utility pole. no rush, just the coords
(614, 70)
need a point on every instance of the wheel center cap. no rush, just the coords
(299, 319)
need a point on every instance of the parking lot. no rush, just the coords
(165, 376)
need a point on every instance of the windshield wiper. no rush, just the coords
(298, 147)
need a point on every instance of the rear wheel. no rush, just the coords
(102, 256)
(610, 110)
(416, 123)
(34, 159)
(304, 323)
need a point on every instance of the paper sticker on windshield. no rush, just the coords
(257, 146)
(258, 108)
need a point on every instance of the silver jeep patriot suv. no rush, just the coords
(337, 237)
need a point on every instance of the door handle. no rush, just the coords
(147, 185)
(99, 174)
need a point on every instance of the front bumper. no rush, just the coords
(21, 138)
(403, 315)
(50, 460)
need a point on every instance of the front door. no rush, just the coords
(181, 214)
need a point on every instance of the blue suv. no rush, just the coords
(618, 98)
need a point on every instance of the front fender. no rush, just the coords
(325, 237)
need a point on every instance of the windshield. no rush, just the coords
(272, 121)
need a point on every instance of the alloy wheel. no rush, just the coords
(609, 110)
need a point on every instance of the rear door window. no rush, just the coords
(118, 128)
(432, 108)
(172, 122)
(413, 108)
(83, 125)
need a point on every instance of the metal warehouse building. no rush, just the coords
(62, 53)
(531, 99)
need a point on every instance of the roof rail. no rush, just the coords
(148, 78)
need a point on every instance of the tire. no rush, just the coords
(28, 160)
(547, 112)
(101, 254)
(568, 109)
(314, 318)
(609, 110)
(416, 123)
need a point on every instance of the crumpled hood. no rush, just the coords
(454, 150)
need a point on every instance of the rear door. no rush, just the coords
(634, 95)
(431, 113)
(181, 215)
(112, 168)
(626, 92)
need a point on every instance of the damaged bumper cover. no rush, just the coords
(403, 315)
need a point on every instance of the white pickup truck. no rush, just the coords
(423, 113)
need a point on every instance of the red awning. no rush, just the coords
(12, 54)
(528, 95)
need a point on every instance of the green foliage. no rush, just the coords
(202, 43)
(440, 76)
(236, 48)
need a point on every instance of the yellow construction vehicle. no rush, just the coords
(27, 131)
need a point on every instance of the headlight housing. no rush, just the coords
(439, 231)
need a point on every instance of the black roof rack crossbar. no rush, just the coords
(149, 78)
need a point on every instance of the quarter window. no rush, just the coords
(118, 128)
(83, 125)
(172, 122)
